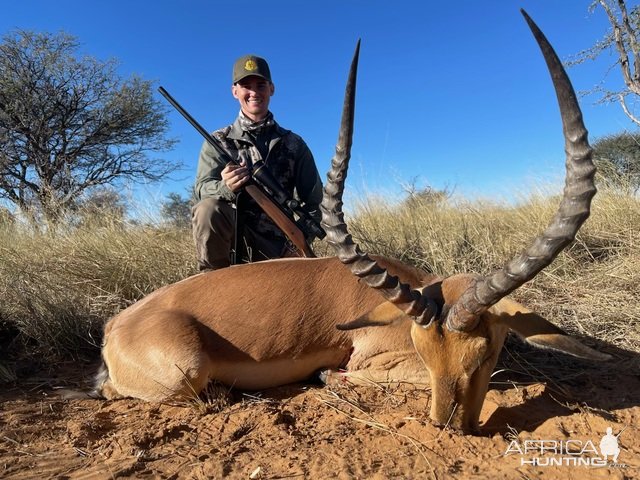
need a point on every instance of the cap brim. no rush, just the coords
(251, 75)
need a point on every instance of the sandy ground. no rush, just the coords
(310, 431)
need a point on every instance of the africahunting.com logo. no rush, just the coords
(575, 453)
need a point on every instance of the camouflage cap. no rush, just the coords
(250, 65)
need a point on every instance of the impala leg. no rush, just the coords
(160, 358)
(384, 368)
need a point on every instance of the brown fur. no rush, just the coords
(272, 323)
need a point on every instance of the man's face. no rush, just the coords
(254, 94)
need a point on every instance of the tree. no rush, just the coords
(623, 40)
(420, 197)
(102, 206)
(176, 210)
(617, 157)
(69, 124)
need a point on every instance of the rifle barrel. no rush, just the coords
(193, 122)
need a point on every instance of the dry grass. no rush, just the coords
(57, 289)
(591, 289)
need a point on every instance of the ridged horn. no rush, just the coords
(574, 208)
(410, 301)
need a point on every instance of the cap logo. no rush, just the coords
(250, 65)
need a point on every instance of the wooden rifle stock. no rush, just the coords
(280, 218)
(273, 209)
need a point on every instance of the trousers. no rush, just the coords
(213, 225)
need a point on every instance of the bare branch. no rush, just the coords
(633, 42)
(69, 124)
(622, 40)
(619, 44)
(626, 110)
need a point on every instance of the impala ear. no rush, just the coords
(384, 314)
(539, 332)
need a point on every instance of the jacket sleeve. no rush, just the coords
(308, 183)
(209, 175)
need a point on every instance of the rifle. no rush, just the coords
(267, 192)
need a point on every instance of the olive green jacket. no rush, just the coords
(288, 159)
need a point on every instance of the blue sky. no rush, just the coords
(454, 94)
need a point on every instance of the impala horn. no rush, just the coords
(574, 208)
(422, 309)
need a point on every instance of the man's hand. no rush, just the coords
(235, 176)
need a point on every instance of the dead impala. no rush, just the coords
(267, 324)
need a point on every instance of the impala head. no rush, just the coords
(460, 323)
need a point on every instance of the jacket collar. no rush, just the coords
(236, 132)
